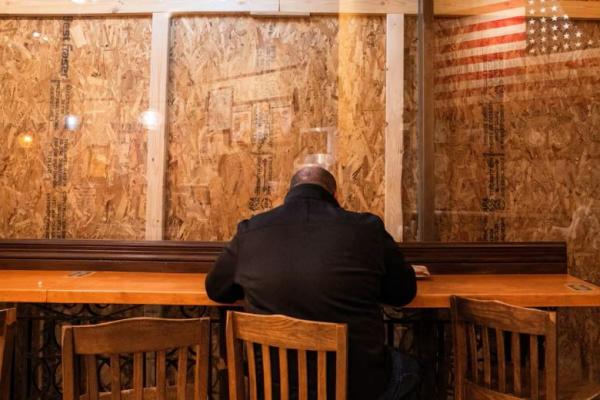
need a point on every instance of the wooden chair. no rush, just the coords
(137, 336)
(8, 324)
(278, 333)
(506, 352)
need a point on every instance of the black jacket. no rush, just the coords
(311, 259)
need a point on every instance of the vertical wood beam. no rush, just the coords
(157, 134)
(425, 123)
(394, 109)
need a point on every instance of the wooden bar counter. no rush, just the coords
(534, 290)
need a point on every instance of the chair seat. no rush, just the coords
(579, 391)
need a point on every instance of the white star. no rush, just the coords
(543, 20)
(566, 35)
(532, 51)
(554, 37)
(555, 47)
(542, 1)
(532, 31)
(543, 49)
(578, 34)
(566, 26)
(543, 29)
(590, 42)
(554, 8)
(543, 39)
(554, 18)
(565, 17)
(531, 41)
(531, 21)
(543, 9)
(531, 11)
(566, 45)
(578, 44)
(554, 27)
(530, 1)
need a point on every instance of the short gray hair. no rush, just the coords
(315, 175)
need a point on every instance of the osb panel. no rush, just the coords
(87, 181)
(245, 91)
(519, 162)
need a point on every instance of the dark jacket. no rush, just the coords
(311, 259)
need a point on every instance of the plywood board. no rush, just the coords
(516, 160)
(81, 176)
(246, 93)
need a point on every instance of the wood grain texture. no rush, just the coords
(67, 7)
(281, 332)
(533, 290)
(157, 135)
(394, 131)
(118, 337)
(189, 256)
(537, 328)
(575, 8)
(8, 328)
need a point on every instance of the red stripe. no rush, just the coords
(470, 44)
(507, 55)
(544, 68)
(541, 68)
(473, 76)
(482, 26)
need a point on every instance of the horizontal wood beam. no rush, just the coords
(574, 8)
(350, 6)
(133, 7)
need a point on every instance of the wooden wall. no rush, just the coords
(85, 180)
(245, 94)
(517, 160)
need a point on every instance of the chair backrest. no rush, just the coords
(280, 334)
(503, 352)
(8, 324)
(138, 337)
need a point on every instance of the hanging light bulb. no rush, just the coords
(72, 122)
(150, 119)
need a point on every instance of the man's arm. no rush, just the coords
(220, 281)
(399, 282)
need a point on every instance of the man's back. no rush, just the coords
(311, 259)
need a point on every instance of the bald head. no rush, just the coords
(315, 175)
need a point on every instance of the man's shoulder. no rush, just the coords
(362, 218)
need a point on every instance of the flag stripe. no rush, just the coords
(470, 44)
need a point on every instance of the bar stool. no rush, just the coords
(8, 324)
(137, 336)
(507, 352)
(278, 334)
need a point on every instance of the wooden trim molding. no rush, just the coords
(574, 8)
(180, 256)
(394, 129)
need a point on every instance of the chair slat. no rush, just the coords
(473, 351)
(115, 373)
(516, 360)
(92, 377)
(161, 375)
(501, 354)
(487, 369)
(302, 375)
(202, 358)
(182, 356)
(534, 369)
(138, 376)
(284, 386)
(268, 388)
(322, 375)
(251, 370)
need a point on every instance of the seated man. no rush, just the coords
(311, 259)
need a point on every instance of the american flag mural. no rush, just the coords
(523, 49)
